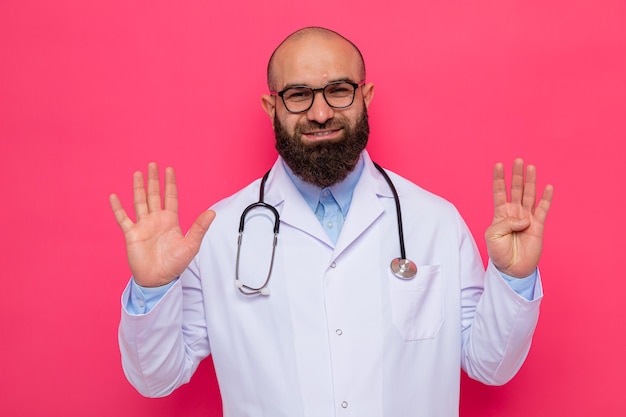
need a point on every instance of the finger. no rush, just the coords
(120, 214)
(517, 181)
(139, 195)
(199, 228)
(541, 212)
(530, 188)
(170, 195)
(154, 188)
(499, 186)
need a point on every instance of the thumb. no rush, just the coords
(200, 226)
(508, 225)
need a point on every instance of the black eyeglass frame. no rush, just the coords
(355, 86)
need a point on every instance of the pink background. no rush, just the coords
(91, 91)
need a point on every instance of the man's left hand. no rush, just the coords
(515, 236)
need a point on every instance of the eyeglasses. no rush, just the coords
(337, 95)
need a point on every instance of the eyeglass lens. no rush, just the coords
(337, 95)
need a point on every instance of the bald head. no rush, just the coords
(302, 44)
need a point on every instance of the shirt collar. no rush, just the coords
(342, 191)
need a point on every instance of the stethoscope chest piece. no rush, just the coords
(403, 268)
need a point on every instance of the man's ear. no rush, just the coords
(368, 93)
(268, 102)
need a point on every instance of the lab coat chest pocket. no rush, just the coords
(418, 304)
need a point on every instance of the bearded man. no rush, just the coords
(317, 323)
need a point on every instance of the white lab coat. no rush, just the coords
(339, 335)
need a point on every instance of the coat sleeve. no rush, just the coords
(497, 323)
(162, 349)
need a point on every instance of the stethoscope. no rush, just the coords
(401, 267)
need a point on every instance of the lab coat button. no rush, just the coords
(333, 265)
(339, 332)
(344, 404)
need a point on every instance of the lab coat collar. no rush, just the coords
(294, 211)
(366, 204)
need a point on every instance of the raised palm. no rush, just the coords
(514, 238)
(158, 251)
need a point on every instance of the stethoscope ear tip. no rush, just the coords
(265, 291)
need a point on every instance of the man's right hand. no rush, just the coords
(158, 252)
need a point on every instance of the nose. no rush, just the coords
(320, 111)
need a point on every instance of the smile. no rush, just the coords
(322, 134)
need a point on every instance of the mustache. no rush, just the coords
(310, 125)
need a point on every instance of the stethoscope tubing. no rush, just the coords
(396, 199)
(243, 288)
(401, 267)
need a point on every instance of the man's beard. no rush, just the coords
(323, 163)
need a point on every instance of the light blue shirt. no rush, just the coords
(330, 205)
